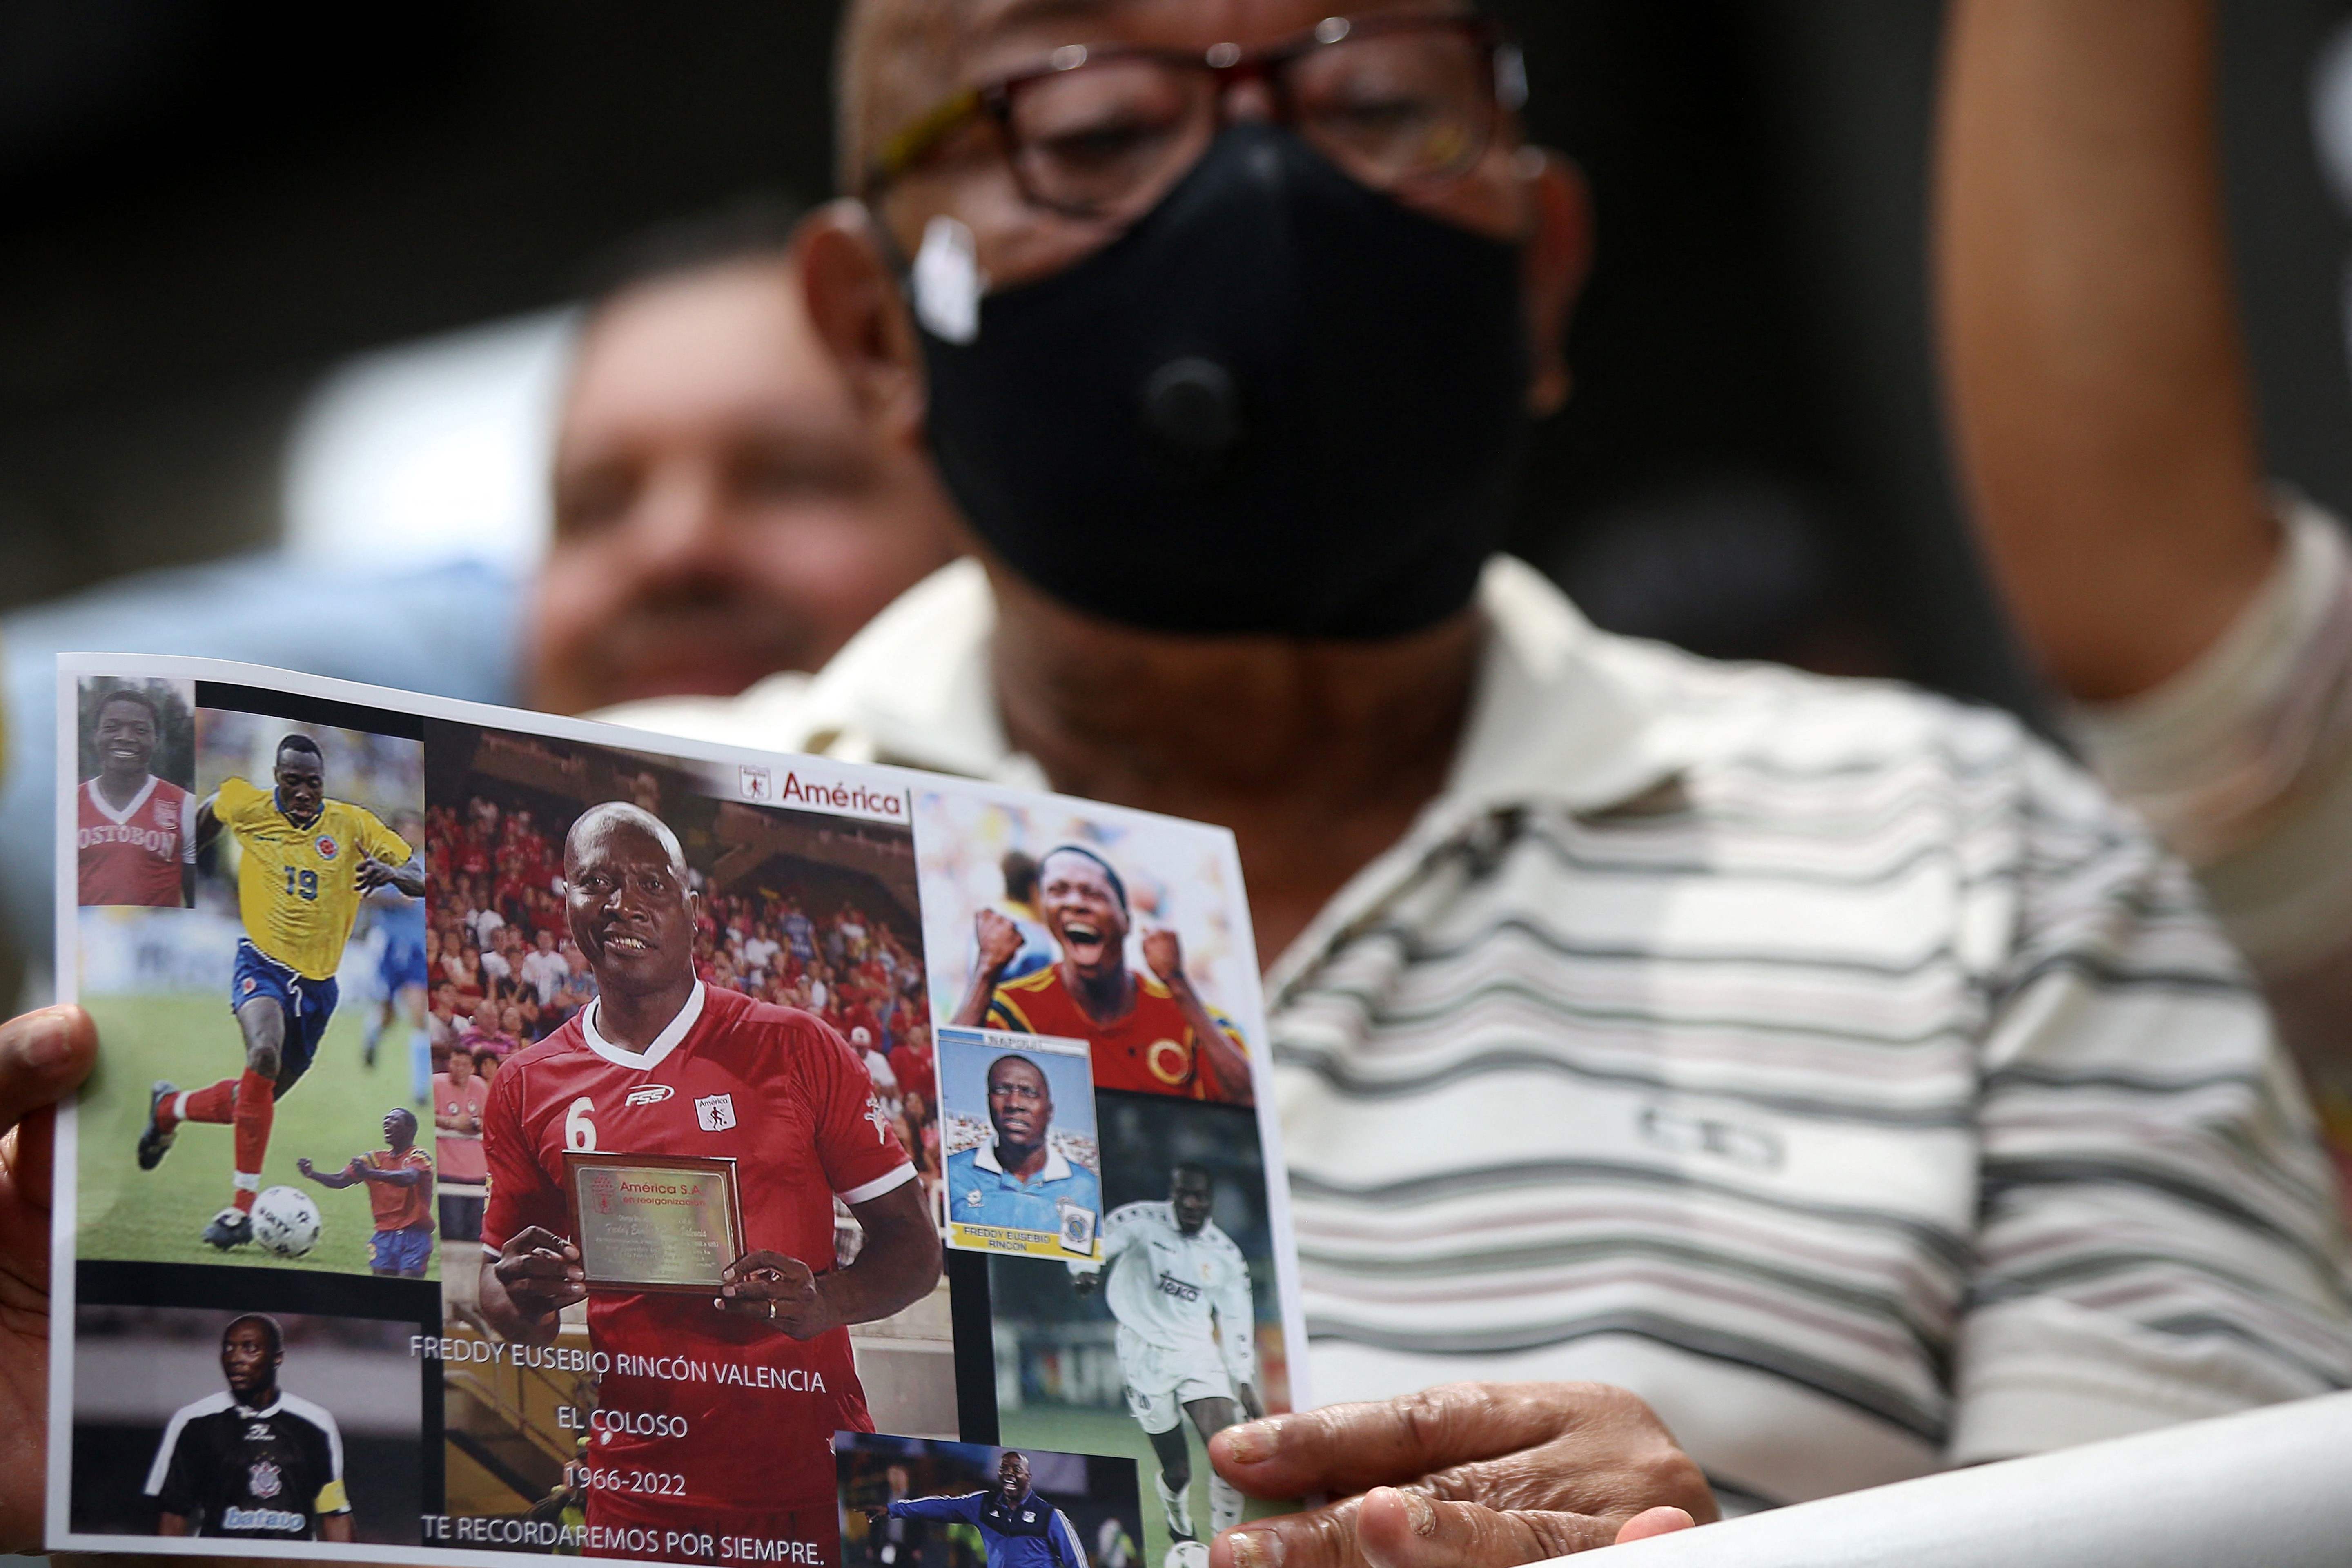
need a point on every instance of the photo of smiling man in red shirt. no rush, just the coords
(731, 1401)
(1152, 1033)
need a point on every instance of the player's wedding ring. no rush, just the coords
(772, 1309)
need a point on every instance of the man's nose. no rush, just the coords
(1250, 99)
(681, 521)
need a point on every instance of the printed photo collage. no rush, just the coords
(519, 1135)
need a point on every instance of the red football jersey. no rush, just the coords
(776, 1092)
(1152, 1050)
(134, 855)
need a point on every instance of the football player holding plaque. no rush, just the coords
(695, 1092)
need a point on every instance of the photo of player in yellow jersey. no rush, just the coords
(305, 861)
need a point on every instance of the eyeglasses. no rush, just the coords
(1103, 132)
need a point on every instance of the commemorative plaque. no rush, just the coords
(654, 1222)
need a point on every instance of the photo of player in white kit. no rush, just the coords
(1179, 1289)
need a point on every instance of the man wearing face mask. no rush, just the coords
(1827, 1069)
(1829, 1066)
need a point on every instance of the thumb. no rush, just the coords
(44, 1057)
(1397, 1529)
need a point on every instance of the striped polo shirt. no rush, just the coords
(1829, 1064)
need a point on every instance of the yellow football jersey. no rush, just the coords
(298, 887)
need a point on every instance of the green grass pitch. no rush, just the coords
(1070, 1429)
(157, 1217)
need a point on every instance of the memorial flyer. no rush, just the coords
(516, 1134)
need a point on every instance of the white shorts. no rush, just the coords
(1161, 1381)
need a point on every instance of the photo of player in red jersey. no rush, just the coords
(719, 1410)
(136, 831)
(1151, 1031)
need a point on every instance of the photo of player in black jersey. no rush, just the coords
(242, 1422)
(254, 1460)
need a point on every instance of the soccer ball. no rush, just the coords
(1186, 1554)
(285, 1222)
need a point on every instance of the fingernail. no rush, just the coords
(45, 1043)
(1257, 1549)
(1423, 1517)
(1250, 1443)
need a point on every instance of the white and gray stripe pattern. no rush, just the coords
(1875, 1064)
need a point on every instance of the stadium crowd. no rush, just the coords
(505, 973)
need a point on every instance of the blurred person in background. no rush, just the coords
(2200, 621)
(723, 509)
(1613, 993)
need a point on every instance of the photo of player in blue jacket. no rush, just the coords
(1021, 1529)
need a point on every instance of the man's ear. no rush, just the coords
(1557, 260)
(853, 301)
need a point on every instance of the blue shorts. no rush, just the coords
(402, 1251)
(307, 1003)
(402, 966)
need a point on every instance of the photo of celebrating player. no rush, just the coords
(399, 1181)
(203, 1109)
(1187, 1334)
(253, 1461)
(136, 828)
(306, 860)
(664, 1063)
(1021, 1162)
(1141, 939)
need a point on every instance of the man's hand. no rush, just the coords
(1467, 1475)
(770, 1288)
(1087, 1284)
(1000, 939)
(44, 1057)
(1165, 953)
(541, 1272)
(875, 1516)
(303, 1164)
(1245, 1395)
(408, 877)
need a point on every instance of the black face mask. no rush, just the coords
(1281, 403)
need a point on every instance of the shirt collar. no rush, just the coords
(653, 1054)
(1564, 715)
(277, 802)
(1056, 1168)
(250, 1414)
(97, 799)
(1559, 715)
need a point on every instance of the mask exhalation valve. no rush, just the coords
(1193, 408)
